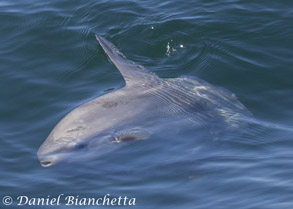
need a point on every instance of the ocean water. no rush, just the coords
(50, 62)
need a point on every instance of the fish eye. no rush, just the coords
(80, 146)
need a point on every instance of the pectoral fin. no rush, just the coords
(129, 135)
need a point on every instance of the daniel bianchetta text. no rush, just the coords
(63, 199)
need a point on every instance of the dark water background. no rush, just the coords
(50, 63)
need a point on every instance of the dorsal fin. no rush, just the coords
(131, 72)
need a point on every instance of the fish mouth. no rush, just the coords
(46, 163)
(48, 160)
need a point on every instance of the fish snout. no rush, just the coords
(47, 160)
(46, 163)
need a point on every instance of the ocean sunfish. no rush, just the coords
(146, 105)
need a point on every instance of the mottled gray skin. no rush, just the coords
(145, 106)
